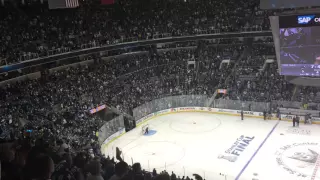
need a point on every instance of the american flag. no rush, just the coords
(72, 3)
(61, 4)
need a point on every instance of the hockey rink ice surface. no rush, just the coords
(224, 147)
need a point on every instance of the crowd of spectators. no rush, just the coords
(55, 108)
(40, 159)
(68, 94)
(32, 30)
(257, 80)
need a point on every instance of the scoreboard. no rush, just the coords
(297, 43)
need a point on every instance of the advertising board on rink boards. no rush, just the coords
(289, 117)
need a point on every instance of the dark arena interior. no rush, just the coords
(159, 89)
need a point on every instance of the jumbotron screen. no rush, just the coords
(300, 45)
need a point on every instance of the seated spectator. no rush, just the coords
(95, 171)
(121, 170)
(40, 167)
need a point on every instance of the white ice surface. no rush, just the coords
(188, 143)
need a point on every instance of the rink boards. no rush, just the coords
(247, 149)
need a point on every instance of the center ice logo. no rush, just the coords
(298, 131)
(236, 149)
(299, 159)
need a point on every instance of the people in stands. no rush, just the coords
(121, 170)
(56, 106)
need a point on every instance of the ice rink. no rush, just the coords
(224, 147)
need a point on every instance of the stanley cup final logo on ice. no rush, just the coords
(236, 149)
(299, 159)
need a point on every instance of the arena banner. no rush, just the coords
(161, 112)
(187, 109)
(249, 113)
(299, 112)
(302, 20)
(315, 119)
(290, 117)
(286, 117)
(173, 110)
(203, 109)
(227, 111)
(97, 109)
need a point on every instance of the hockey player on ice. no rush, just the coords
(146, 130)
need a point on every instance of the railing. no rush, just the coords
(89, 45)
(250, 29)
(93, 44)
(59, 51)
(28, 56)
(244, 105)
(202, 100)
(209, 31)
(162, 35)
(287, 104)
(169, 102)
(259, 106)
